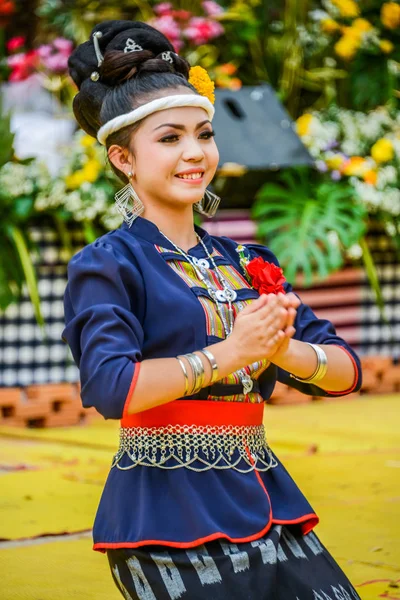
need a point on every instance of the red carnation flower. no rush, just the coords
(266, 277)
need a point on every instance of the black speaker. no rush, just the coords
(253, 129)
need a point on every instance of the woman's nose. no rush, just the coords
(193, 150)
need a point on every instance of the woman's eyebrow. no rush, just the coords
(176, 126)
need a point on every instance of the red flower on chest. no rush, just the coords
(266, 277)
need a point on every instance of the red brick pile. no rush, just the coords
(47, 405)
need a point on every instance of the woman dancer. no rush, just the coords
(182, 336)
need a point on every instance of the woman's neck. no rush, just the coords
(178, 226)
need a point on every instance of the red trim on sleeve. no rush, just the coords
(356, 377)
(131, 388)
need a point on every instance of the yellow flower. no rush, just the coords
(91, 170)
(362, 25)
(347, 47)
(303, 124)
(390, 15)
(200, 79)
(382, 151)
(347, 8)
(335, 161)
(386, 46)
(329, 26)
(87, 141)
(352, 33)
(75, 180)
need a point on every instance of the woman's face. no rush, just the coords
(168, 144)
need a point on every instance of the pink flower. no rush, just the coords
(16, 43)
(44, 50)
(167, 26)
(63, 45)
(211, 8)
(201, 30)
(15, 60)
(56, 62)
(163, 8)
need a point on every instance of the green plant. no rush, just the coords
(308, 224)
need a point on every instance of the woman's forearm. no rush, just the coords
(301, 360)
(161, 380)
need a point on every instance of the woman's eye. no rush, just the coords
(169, 138)
(206, 135)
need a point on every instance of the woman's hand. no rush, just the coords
(263, 326)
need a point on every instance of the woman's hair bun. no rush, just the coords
(121, 50)
(115, 35)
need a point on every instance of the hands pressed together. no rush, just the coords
(265, 327)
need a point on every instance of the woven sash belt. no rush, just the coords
(224, 389)
(197, 435)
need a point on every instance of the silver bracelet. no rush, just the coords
(185, 374)
(213, 363)
(321, 369)
(198, 372)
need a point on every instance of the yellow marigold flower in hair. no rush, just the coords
(303, 124)
(347, 8)
(329, 26)
(347, 47)
(200, 79)
(382, 151)
(390, 15)
(362, 25)
(386, 46)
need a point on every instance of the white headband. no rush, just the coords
(151, 107)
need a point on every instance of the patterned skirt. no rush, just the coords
(282, 565)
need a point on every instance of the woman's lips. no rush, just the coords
(189, 180)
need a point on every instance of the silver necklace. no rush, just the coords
(227, 294)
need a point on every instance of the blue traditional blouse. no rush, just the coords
(130, 297)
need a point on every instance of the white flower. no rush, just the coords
(386, 175)
(354, 252)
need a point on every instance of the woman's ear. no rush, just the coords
(121, 158)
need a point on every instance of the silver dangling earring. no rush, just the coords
(123, 201)
(208, 205)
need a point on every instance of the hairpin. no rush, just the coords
(96, 36)
(132, 46)
(167, 56)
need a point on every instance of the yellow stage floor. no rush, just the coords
(344, 454)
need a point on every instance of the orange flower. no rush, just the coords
(370, 177)
(390, 15)
(227, 69)
(356, 165)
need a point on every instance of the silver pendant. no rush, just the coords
(202, 263)
(247, 383)
(225, 295)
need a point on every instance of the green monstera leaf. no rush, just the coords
(308, 224)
